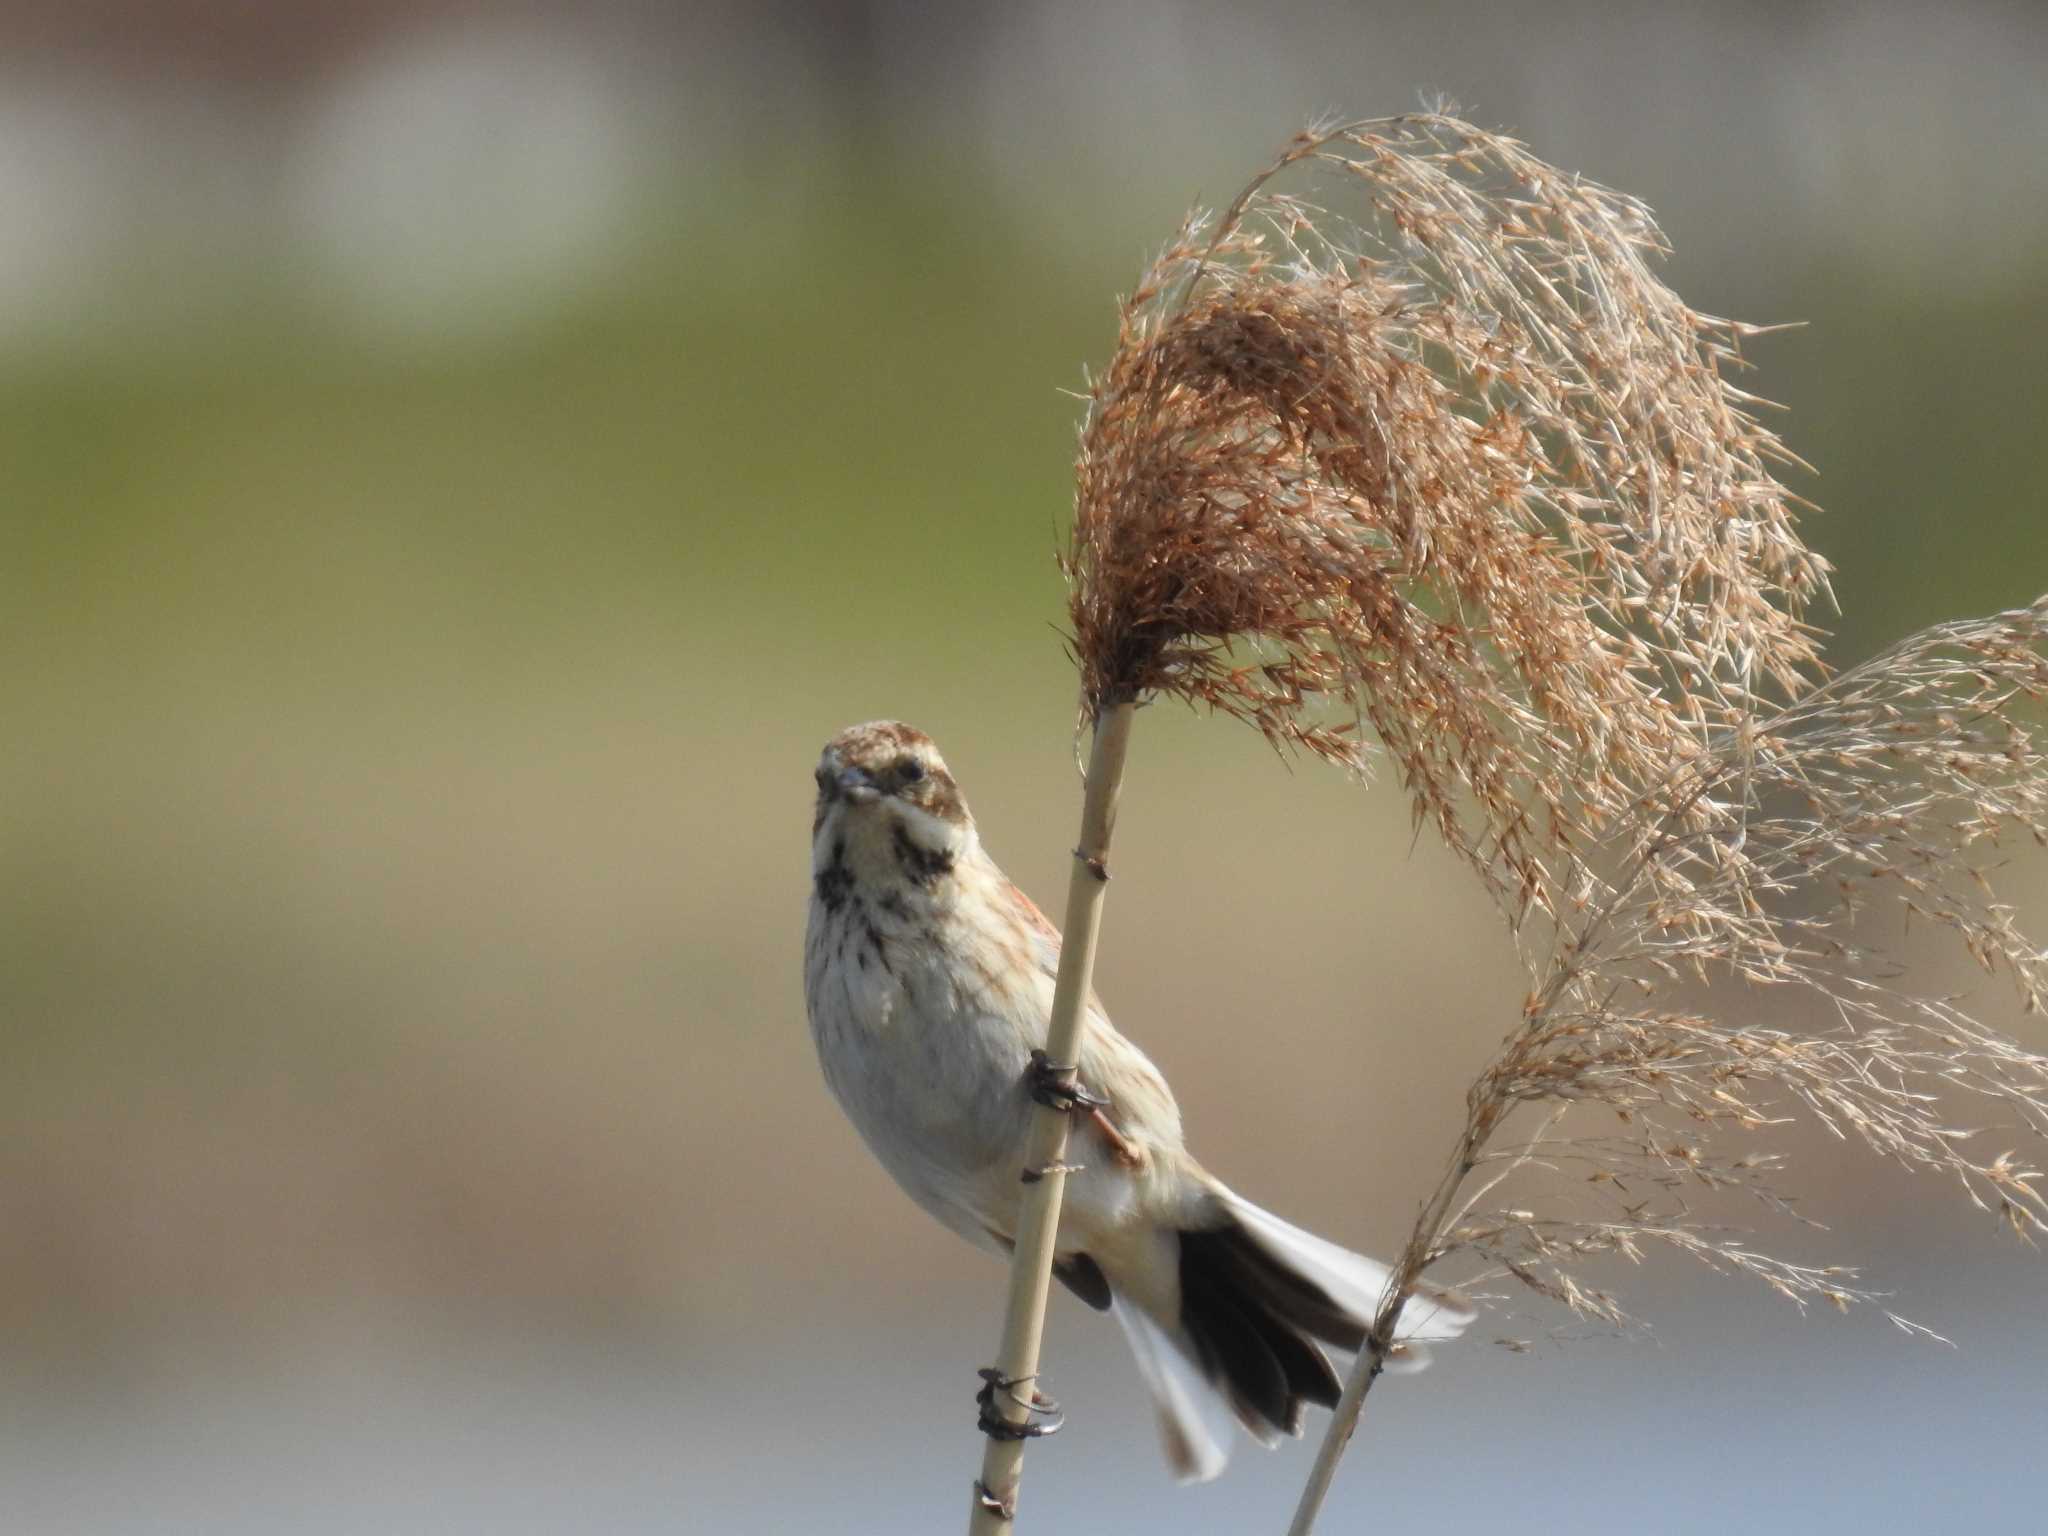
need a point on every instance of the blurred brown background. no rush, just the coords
(460, 461)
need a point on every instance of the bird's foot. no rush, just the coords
(1042, 1415)
(1053, 1084)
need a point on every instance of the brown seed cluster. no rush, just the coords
(1461, 474)
(1461, 477)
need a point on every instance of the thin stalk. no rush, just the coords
(1002, 1462)
(1372, 1359)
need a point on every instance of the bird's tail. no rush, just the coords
(1258, 1299)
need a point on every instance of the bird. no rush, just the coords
(928, 979)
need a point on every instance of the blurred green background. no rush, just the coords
(461, 462)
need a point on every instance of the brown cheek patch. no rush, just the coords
(942, 798)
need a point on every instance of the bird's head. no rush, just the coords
(888, 811)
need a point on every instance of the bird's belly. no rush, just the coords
(958, 1144)
(932, 1079)
(927, 1056)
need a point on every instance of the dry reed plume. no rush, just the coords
(1460, 477)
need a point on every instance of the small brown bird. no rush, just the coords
(929, 979)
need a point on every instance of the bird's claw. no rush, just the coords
(1049, 1084)
(1052, 1085)
(1042, 1416)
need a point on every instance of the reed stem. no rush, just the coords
(1002, 1462)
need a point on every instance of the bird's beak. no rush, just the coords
(855, 784)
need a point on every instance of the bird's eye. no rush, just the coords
(910, 770)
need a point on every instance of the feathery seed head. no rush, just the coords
(1462, 471)
(1462, 475)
